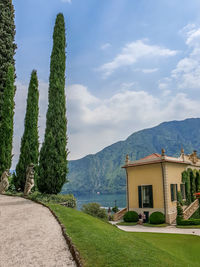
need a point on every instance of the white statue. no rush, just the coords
(29, 179)
(4, 183)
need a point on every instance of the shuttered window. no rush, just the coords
(145, 196)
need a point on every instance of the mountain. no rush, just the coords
(102, 171)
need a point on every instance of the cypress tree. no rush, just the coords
(186, 180)
(7, 51)
(197, 181)
(192, 184)
(53, 155)
(7, 45)
(6, 126)
(29, 150)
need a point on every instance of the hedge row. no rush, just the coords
(189, 222)
(155, 217)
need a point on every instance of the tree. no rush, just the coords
(192, 184)
(6, 128)
(7, 45)
(186, 180)
(29, 150)
(7, 51)
(53, 155)
(197, 181)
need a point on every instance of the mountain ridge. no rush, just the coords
(101, 172)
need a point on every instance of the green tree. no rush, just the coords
(53, 154)
(7, 45)
(6, 126)
(192, 184)
(186, 180)
(197, 181)
(29, 150)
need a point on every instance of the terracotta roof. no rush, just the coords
(157, 158)
(152, 156)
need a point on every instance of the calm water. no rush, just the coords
(107, 200)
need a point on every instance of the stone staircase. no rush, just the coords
(187, 213)
(119, 215)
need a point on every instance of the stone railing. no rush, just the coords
(118, 215)
(187, 213)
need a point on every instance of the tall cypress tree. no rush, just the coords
(6, 128)
(53, 155)
(29, 150)
(7, 45)
(7, 51)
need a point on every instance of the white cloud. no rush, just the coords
(149, 70)
(66, 1)
(105, 46)
(94, 123)
(186, 75)
(133, 52)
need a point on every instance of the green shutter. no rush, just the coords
(176, 192)
(151, 196)
(140, 196)
(172, 192)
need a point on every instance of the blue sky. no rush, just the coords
(130, 65)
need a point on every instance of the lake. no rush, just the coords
(107, 200)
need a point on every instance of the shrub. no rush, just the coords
(189, 222)
(131, 216)
(11, 187)
(95, 210)
(115, 209)
(157, 218)
(179, 216)
(69, 200)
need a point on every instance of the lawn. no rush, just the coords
(101, 244)
(127, 223)
(155, 225)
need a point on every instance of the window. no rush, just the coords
(173, 188)
(145, 195)
(183, 191)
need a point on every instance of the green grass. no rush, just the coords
(155, 225)
(101, 244)
(127, 223)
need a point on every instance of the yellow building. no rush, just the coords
(153, 182)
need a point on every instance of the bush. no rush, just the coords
(115, 209)
(68, 200)
(157, 218)
(11, 187)
(95, 210)
(189, 222)
(131, 216)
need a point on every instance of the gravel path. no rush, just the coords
(166, 230)
(30, 236)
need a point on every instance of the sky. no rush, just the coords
(130, 65)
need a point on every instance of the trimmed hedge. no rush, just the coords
(189, 222)
(131, 216)
(157, 218)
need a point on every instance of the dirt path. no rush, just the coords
(30, 236)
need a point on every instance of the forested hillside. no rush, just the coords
(102, 171)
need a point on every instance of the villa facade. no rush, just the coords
(153, 182)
